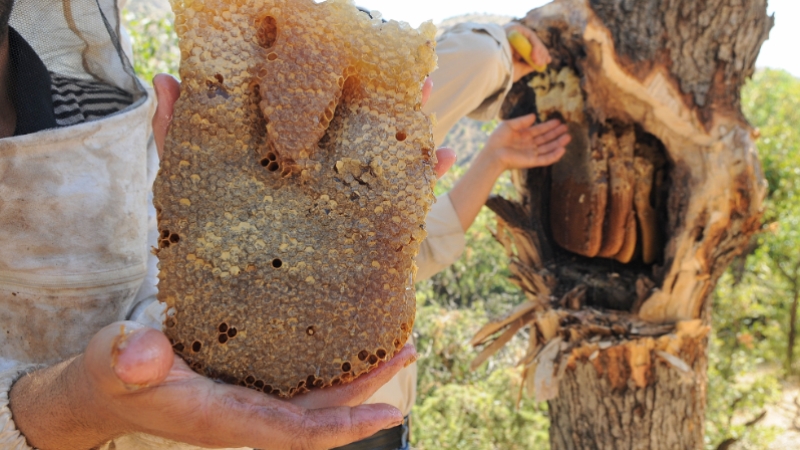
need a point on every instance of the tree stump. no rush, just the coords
(619, 246)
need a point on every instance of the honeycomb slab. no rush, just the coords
(297, 175)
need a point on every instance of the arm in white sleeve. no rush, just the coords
(445, 241)
(475, 73)
(10, 437)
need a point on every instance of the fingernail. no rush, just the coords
(131, 359)
(394, 424)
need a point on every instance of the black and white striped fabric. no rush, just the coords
(77, 101)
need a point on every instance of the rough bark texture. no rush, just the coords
(619, 321)
(591, 413)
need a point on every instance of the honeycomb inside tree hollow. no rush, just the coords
(289, 207)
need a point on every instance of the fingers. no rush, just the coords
(427, 89)
(540, 55)
(545, 128)
(236, 417)
(357, 392)
(549, 133)
(445, 158)
(522, 123)
(167, 92)
(127, 356)
(554, 145)
(329, 428)
(548, 159)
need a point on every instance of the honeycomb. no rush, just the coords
(601, 190)
(296, 178)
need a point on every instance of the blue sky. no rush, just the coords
(781, 51)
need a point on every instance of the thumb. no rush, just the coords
(521, 123)
(126, 356)
(167, 92)
(445, 158)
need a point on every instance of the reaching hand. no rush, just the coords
(515, 144)
(539, 53)
(518, 144)
(168, 89)
(129, 380)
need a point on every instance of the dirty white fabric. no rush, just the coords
(473, 78)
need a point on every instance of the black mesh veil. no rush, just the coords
(81, 47)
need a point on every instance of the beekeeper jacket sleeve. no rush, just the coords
(474, 76)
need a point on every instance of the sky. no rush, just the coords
(781, 51)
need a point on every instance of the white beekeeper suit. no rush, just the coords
(76, 215)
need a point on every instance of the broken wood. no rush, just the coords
(660, 188)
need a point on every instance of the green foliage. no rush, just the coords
(772, 103)
(460, 409)
(753, 300)
(740, 383)
(155, 44)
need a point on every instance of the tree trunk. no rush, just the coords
(619, 246)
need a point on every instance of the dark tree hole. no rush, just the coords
(223, 338)
(250, 379)
(363, 355)
(197, 346)
(277, 263)
(223, 327)
(174, 238)
(373, 359)
(273, 166)
(346, 367)
(381, 353)
(232, 332)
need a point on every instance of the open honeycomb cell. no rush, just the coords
(293, 190)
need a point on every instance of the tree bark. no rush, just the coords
(619, 318)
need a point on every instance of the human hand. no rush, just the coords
(518, 144)
(539, 53)
(129, 380)
(168, 89)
